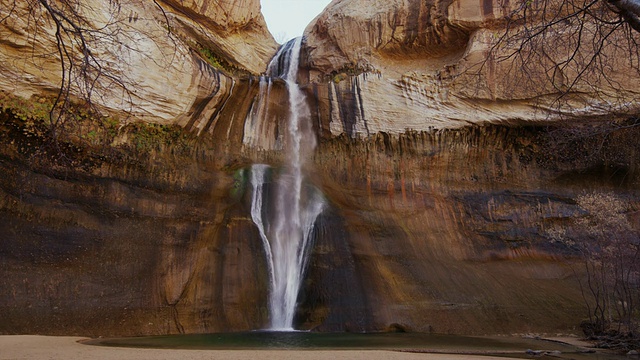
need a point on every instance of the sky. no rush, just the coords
(287, 19)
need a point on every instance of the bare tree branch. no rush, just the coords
(570, 51)
(630, 11)
(91, 70)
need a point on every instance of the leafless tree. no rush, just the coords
(81, 30)
(610, 247)
(569, 48)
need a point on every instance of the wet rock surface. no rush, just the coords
(439, 199)
(433, 232)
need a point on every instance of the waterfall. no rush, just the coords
(257, 121)
(286, 217)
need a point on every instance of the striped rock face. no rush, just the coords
(438, 64)
(153, 61)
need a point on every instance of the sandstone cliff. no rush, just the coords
(437, 232)
(144, 238)
(438, 64)
(148, 60)
(440, 190)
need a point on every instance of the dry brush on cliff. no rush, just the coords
(610, 248)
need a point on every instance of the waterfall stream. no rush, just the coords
(283, 208)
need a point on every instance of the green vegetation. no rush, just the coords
(213, 60)
(83, 135)
(339, 77)
(239, 183)
(80, 124)
(350, 70)
(148, 137)
(217, 61)
(26, 110)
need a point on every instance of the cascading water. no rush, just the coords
(285, 210)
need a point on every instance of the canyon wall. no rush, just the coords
(417, 65)
(441, 187)
(164, 62)
(449, 165)
(103, 231)
(445, 232)
(450, 231)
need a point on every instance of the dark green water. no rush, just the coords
(260, 340)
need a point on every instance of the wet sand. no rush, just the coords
(23, 347)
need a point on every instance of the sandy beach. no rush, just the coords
(23, 347)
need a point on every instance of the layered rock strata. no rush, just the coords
(147, 59)
(446, 64)
(449, 231)
(148, 237)
(433, 223)
(439, 232)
